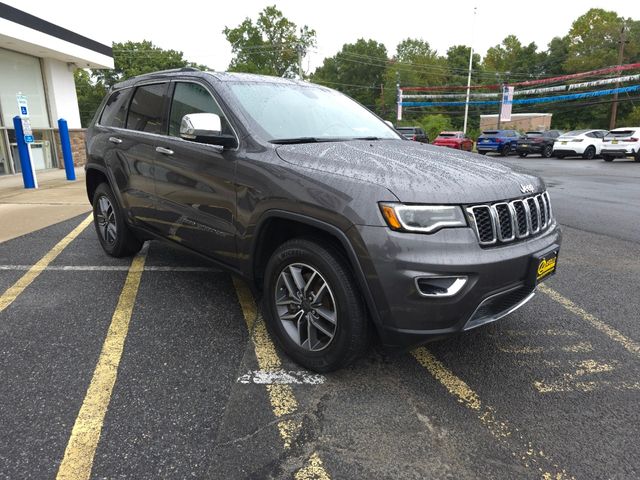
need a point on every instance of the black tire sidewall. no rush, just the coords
(591, 155)
(547, 151)
(351, 322)
(124, 244)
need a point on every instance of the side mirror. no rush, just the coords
(200, 125)
(390, 124)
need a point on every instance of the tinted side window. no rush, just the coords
(145, 112)
(193, 98)
(115, 110)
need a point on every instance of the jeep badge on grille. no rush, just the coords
(526, 188)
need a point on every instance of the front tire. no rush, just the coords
(313, 307)
(547, 151)
(115, 236)
(607, 158)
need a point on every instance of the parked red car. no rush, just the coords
(457, 140)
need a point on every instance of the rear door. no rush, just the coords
(195, 182)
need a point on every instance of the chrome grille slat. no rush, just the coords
(504, 222)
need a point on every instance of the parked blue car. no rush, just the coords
(498, 141)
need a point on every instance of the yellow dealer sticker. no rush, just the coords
(546, 267)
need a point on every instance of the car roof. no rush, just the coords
(211, 76)
(451, 131)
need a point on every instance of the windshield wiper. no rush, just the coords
(367, 138)
(286, 141)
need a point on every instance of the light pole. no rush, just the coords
(466, 103)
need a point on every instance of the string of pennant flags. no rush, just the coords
(532, 91)
(527, 101)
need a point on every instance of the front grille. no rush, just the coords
(505, 222)
(498, 306)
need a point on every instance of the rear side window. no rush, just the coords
(115, 110)
(193, 98)
(145, 112)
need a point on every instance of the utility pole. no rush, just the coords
(614, 104)
(300, 50)
(500, 109)
(466, 103)
(399, 96)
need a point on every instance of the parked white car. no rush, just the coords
(579, 143)
(620, 143)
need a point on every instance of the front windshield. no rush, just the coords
(286, 111)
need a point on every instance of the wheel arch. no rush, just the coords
(276, 226)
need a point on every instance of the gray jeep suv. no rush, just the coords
(344, 227)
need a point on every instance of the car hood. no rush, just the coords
(415, 172)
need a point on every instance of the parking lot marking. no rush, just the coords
(595, 322)
(23, 282)
(314, 470)
(78, 456)
(111, 268)
(281, 396)
(529, 456)
(268, 377)
(576, 381)
(580, 347)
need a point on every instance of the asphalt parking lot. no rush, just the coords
(160, 367)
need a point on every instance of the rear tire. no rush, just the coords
(522, 154)
(114, 235)
(547, 151)
(607, 158)
(323, 278)
(482, 153)
(589, 153)
(506, 150)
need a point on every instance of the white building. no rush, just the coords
(37, 59)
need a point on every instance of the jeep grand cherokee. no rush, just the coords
(344, 227)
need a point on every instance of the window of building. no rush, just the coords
(22, 74)
(147, 106)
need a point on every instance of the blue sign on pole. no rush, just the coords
(23, 110)
(28, 138)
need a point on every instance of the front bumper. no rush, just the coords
(395, 259)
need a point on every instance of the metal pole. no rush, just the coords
(300, 61)
(500, 109)
(399, 96)
(26, 165)
(466, 103)
(614, 104)
(65, 144)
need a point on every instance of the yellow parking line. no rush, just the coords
(529, 456)
(17, 288)
(80, 451)
(281, 396)
(595, 322)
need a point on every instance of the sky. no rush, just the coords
(195, 26)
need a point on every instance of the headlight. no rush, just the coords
(422, 218)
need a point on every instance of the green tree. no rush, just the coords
(135, 58)
(593, 40)
(357, 70)
(90, 93)
(270, 45)
(633, 118)
(520, 61)
(458, 65)
(556, 56)
(434, 124)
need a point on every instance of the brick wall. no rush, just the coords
(76, 136)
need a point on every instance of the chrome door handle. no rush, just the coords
(166, 151)
(115, 140)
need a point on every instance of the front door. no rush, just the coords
(195, 184)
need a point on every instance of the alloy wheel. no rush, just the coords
(106, 218)
(306, 306)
